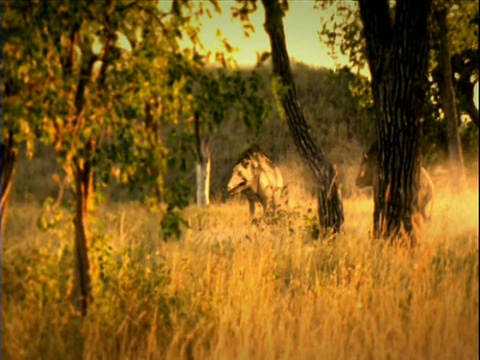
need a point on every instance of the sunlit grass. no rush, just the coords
(230, 289)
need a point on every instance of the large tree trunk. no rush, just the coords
(8, 166)
(203, 166)
(397, 53)
(447, 96)
(330, 207)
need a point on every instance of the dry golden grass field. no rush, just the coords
(233, 289)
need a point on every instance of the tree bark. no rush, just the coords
(203, 166)
(397, 54)
(447, 98)
(330, 207)
(8, 167)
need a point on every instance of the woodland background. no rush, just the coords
(95, 132)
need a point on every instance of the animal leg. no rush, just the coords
(264, 204)
(284, 195)
(268, 201)
(426, 217)
(252, 207)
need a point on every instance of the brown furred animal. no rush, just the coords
(258, 178)
(366, 177)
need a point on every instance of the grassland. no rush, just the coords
(233, 289)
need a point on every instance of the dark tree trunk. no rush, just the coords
(447, 97)
(203, 166)
(82, 279)
(83, 173)
(8, 166)
(397, 52)
(330, 207)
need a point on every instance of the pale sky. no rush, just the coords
(302, 23)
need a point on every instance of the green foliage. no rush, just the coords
(129, 283)
(337, 101)
(25, 80)
(172, 224)
(50, 215)
(279, 91)
(345, 35)
(351, 94)
(434, 139)
(177, 196)
(311, 223)
(462, 22)
(40, 278)
(103, 80)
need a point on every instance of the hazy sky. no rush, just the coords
(302, 23)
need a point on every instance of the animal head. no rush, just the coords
(245, 172)
(242, 177)
(367, 167)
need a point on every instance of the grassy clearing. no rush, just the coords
(230, 289)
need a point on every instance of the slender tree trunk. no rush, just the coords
(447, 96)
(8, 167)
(82, 279)
(81, 161)
(203, 182)
(330, 207)
(153, 129)
(83, 173)
(397, 53)
(203, 166)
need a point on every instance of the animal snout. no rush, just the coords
(231, 188)
(235, 187)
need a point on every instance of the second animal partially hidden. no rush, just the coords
(368, 174)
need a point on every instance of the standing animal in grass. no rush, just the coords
(259, 179)
(368, 172)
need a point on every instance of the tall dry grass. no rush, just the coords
(233, 289)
